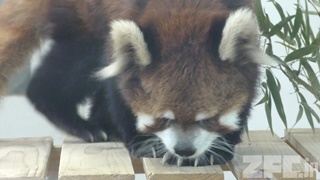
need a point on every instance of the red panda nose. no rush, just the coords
(184, 152)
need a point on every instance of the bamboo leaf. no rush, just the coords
(274, 90)
(280, 34)
(294, 84)
(315, 115)
(268, 25)
(269, 50)
(307, 20)
(277, 28)
(266, 94)
(287, 39)
(307, 109)
(283, 17)
(305, 36)
(278, 84)
(286, 45)
(297, 23)
(268, 107)
(316, 2)
(299, 116)
(318, 61)
(279, 9)
(263, 100)
(300, 53)
(298, 41)
(314, 81)
(308, 114)
(312, 13)
(260, 16)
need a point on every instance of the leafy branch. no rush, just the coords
(301, 65)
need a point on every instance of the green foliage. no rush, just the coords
(301, 65)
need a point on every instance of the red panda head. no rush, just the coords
(187, 74)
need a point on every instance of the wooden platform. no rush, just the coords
(263, 156)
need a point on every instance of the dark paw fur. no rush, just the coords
(145, 146)
(90, 133)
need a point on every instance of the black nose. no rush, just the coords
(184, 152)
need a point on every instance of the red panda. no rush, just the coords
(21, 23)
(171, 78)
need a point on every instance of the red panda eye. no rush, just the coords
(166, 121)
(209, 124)
(204, 123)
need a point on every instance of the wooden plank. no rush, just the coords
(306, 143)
(25, 158)
(269, 159)
(155, 170)
(73, 140)
(95, 161)
(136, 162)
(260, 136)
(303, 130)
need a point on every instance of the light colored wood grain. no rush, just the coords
(154, 170)
(269, 159)
(303, 130)
(307, 144)
(25, 158)
(73, 140)
(260, 136)
(136, 162)
(95, 161)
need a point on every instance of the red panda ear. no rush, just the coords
(240, 38)
(126, 38)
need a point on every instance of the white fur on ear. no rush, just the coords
(124, 34)
(242, 25)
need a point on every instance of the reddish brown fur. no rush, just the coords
(21, 23)
(189, 78)
(24, 22)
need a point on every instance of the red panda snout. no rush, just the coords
(190, 142)
(191, 139)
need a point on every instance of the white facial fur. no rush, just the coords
(84, 108)
(169, 115)
(122, 34)
(230, 120)
(194, 137)
(144, 120)
(202, 116)
(205, 115)
(242, 24)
